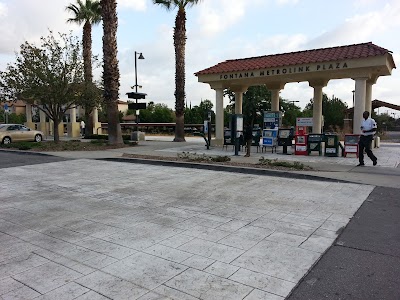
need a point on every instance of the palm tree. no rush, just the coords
(110, 69)
(88, 13)
(180, 45)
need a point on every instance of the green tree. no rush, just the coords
(256, 100)
(198, 113)
(49, 76)
(110, 69)
(156, 113)
(88, 13)
(291, 112)
(333, 109)
(180, 45)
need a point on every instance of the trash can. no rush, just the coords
(314, 143)
(331, 145)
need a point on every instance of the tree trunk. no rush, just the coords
(88, 75)
(114, 132)
(56, 123)
(110, 69)
(180, 43)
(88, 122)
(87, 52)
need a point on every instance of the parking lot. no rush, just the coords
(104, 230)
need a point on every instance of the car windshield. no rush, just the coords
(3, 127)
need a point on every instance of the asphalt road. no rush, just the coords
(10, 159)
(364, 262)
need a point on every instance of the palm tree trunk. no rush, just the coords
(110, 69)
(87, 65)
(180, 44)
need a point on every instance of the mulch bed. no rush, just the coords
(229, 163)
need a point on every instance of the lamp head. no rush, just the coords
(141, 56)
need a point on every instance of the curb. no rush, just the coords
(22, 152)
(223, 168)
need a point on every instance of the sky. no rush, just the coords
(218, 30)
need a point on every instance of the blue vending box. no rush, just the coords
(269, 137)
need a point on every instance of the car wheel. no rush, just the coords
(38, 138)
(7, 140)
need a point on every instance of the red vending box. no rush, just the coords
(300, 141)
(351, 144)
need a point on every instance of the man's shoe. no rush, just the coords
(360, 165)
(375, 162)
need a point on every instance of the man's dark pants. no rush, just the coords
(365, 143)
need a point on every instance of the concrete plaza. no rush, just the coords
(91, 229)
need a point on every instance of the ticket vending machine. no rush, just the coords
(351, 144)
(301, 140)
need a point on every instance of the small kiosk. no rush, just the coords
(301, 138)
(285, 137)
(272, 121)
(351, 144)
(269, 138)
(331, 145)
(314, 143)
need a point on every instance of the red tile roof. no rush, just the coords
(296, 58)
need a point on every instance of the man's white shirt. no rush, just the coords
(368, 124)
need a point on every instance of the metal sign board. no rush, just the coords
(304, 122)
(133, 95)
(136, 106)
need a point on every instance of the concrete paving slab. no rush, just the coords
(69, 291)
(111, 286)
(58, 275)
(149, 228)
(206, 286)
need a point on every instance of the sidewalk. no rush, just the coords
(386, 173)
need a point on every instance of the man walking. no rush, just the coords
(248, 137)
(368, 129)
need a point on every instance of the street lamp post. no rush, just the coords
(136, 87)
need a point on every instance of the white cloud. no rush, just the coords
(26, 20)
(285, 2)
(217, 16)
(361, 28)
(3, 9)
(139, 5)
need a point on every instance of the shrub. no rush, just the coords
(274, 162)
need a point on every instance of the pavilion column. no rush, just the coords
(239, 99)
(72, 114)
(275, 89)
(275, 100)
(96, 123)
(28, 111)
(359, 103)
(219, 116)
(368, 94)
(42, 122)
(73, 127)
(317, 105)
